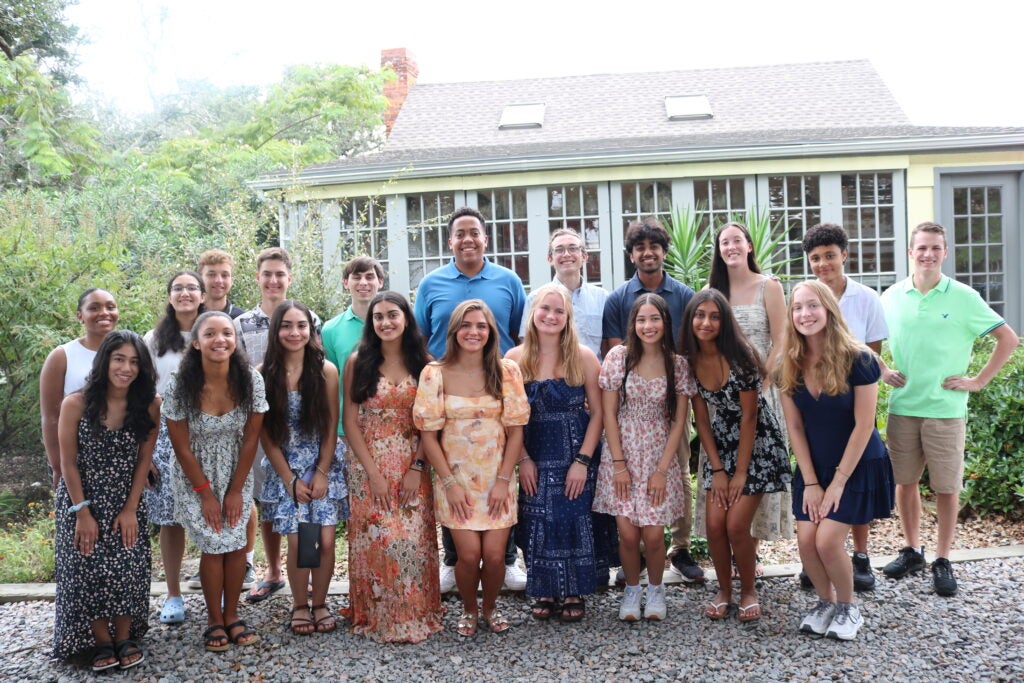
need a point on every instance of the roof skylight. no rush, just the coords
(521, 116)
(686, 107)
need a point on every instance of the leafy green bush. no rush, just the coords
(26, 548)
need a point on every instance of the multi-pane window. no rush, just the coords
(979, 242)
(641, 199)
(506, 216)
(426, 223)
(576, 207)
(869, 218)
(364, 228)
(719, 200)
(795, 200)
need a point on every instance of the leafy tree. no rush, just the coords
(38, 29)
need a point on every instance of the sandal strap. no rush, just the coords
(127, 648)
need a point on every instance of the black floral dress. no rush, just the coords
(114, 580)
(769, 463)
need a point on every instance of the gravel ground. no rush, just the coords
(909, 634)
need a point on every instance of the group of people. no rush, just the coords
(559, 423)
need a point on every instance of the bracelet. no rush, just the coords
(201, 487)
(321, 471)
(661, 472)
(624, 469)
(841, 472)
(507, 480)
(583, 459)
(619, 460)
(720, 469)
(413, 468)
(448, 482)
(78, 506)
(814, 484)
(523, 459)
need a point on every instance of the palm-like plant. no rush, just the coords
(689, 254)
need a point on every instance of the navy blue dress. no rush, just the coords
(828, 423)
(566, 552)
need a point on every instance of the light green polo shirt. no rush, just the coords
(340, 336)
(931, 338)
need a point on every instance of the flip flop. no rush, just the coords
(543, 608)
(573, 611)
(714, 611)
(264, 589)
(173, 611)
(744, 617)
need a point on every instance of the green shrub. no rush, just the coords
(26, 548)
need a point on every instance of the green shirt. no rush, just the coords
(931, 338)
(340, 335)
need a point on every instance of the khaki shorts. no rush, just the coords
(936, 443)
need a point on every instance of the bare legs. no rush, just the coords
(475, 547)
(299, 578)
(729, 536)
(823, 553)
(172, 550)
(222, 583)
(653, 538)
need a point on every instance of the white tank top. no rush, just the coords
(79, 363)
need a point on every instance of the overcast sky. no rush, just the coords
(947, 63)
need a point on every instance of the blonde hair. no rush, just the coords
(569, 342)
(492, 353)
(841, 348)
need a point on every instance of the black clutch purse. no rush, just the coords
(308, 554)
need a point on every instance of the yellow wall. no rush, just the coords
(921, 177)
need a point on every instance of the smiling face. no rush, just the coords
(650, 326)
(388, 321)
(468, 242)
(215, 339)
(827, 263)
(707, 321)
(809, 315)
(186, 294)
(927, 251)
(99, 312)
(218, 279)
(567, 256)
(549, 315)
(473, 332)
(734, 247)
(362, 286)
(294, 331)
(123, 367)
(274, 279)
(648, 256)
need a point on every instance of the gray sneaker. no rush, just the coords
(250, 577)
(845, 623)
(194, 582)
(818, 619)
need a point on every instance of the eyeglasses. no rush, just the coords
(178, 289)
(571, 249)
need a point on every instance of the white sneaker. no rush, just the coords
(447, 578)
(515, 578)
(629, 610)
(194, 581)
(846, 622)
(655, 606)
(819, 618)
(249, 580)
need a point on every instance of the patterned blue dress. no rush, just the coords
(302, 453)
(566, 553)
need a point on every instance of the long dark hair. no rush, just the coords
(167, 333)
(189, 386)
(312, 393)
(635, 348)
(141, 391)
(719, 278)
(366, 368)
(741, 355)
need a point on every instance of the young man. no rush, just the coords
(647, 243)
(274, 275)
(215, 267)
(362, 277)
(933, 322)
(567, 255)
(470, 275)
(826, 248)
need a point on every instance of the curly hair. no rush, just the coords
(370, 356)
(312, 393)
(191, 379)
(825, 235)
(739, 353)
(648, 228)
(167, 334)
(141, 391)
(569, 341)
(719, 278)
(492, 354)
(635, 348)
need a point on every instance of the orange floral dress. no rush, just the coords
(393, 595)
(473, 440)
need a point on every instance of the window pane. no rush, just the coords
(960, 201)
(995, 200)
(867, 188)
(629, 198)
(849, 189)
(995, 228)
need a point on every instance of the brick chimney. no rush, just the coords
(403, 63)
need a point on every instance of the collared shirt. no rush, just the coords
(931, 337)
(587, 309)
(445, 288)
(232, 310)
(862, 310)
(252, 328)
(340, 336)
(619, 303)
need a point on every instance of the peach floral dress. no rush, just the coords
(473, 440)
(394, 595)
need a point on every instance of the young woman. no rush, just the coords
(394, 595)
(214, 407)
(646, 387)
(557, 468)
(69, 364)
(759, 306)
(167, 343)
(746, 454)
(470, 408)
(829, 385)
(106, 434)
(305, 472)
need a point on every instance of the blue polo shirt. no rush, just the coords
(619, 303)
(445, 288)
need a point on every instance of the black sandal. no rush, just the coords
(324, 624)
(101, 652)
(302, 622)
(246, 631)
(543, 609)
(216, 643)
(128, 648)
(574, 611)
